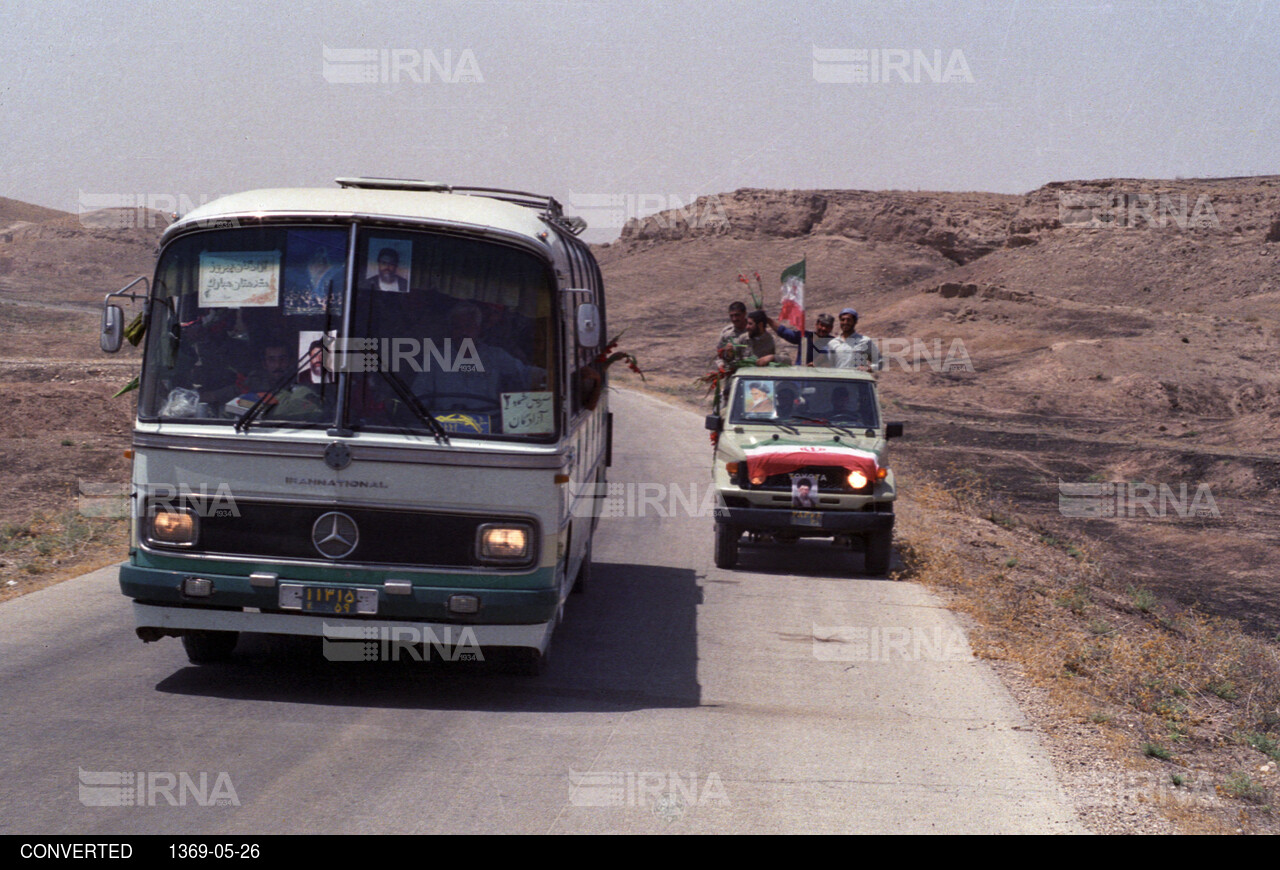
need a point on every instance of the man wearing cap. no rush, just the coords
(817, 340)
(851, 349)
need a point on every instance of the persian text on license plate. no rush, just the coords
(327, 599)
(806, 518)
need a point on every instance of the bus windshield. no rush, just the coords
(445, 333)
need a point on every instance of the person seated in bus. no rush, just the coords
(275, 363)
(275, 371)
(219, 354)
(472, 375)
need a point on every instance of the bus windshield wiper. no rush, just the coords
(419, 408)
(243, 424)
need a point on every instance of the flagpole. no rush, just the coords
(804, 315)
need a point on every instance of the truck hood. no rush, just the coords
(765, 460)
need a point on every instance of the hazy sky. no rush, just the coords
(650, 103)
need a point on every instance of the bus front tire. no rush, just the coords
(524, 661)
(583, 580)
(209, 647)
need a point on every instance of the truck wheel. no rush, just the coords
(209, 647)
(727, 545)
(879, 550)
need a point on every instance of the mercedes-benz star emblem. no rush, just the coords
(335, 535)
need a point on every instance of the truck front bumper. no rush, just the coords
(814, 523)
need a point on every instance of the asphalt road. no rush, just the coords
(790, 695)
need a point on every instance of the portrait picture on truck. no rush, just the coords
(365, 406)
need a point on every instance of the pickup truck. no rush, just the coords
(802, 452)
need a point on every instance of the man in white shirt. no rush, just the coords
(851, 349)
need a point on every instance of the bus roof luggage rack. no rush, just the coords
(551, 208)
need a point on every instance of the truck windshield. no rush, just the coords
(441, 326)
(805, 402)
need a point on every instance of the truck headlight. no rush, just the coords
(173, 526)
(504, 543)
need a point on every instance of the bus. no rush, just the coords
(367, 411)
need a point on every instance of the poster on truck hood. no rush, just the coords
(239, 279)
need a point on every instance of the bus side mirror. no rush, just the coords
(112, 328)
(714, 422)
(892, 430)
(588, 325)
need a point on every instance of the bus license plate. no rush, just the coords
(806, 518)
(326, 599)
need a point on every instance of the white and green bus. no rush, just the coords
(364, 408)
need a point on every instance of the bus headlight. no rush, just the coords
(173, 526)
(504, 543)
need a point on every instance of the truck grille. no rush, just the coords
(828, 479)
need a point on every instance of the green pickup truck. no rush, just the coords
(802, 452)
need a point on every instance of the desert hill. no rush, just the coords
(56, 257)
(14, 211)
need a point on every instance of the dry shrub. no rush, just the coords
(1174, 678)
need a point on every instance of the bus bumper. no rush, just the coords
(155, 621)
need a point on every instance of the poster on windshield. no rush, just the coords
(239, 279)
(528, 414)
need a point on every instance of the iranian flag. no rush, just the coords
(792, 313)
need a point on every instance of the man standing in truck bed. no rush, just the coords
(851, 349)
(734, 335)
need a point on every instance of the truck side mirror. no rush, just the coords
(112, 328)
(714, 422)
(892, 430)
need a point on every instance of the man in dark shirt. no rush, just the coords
(816, 341)
(760, 344)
